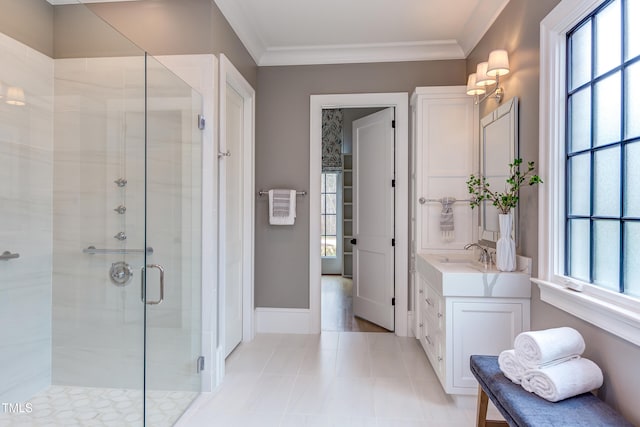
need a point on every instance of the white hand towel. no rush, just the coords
(564, 380)
(537, 349)
(510, 366)
(282, 207)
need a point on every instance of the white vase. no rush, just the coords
(505, 247)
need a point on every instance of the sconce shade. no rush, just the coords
(482, 79)
(498, 64)
(15, 96)
(472, 88)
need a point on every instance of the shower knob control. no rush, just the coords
(120, 273)
(120, 236)
(120, 182)
(120, 209)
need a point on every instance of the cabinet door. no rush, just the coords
(485, 328)
(445, 155)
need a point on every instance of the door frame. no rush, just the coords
(230, 75)
(400, 101)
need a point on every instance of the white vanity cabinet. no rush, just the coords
(464, 310)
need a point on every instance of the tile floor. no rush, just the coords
(333, 379)
(67, 406)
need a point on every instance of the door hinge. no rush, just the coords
(200, 364)
(393, 124)
(393, 301)
(201, 122)
(393, 183)
(353, 241)
(393, 242)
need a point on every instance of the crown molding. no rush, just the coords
(479, 23)
(361, 53)
(239, 22)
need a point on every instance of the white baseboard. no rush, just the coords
(283, 320)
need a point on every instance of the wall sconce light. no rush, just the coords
(15, 96)
(487, 74)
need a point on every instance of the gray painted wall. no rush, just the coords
(30, 22)
(170, 27)
(161, 27)
(518, 30)
(282, 155)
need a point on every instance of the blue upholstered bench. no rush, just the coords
(521, 408)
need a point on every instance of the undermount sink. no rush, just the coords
(462, 275)
(448, 260)
(465, 262)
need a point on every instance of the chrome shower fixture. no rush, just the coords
(120, 236)
(120, 273)
(121, 209)
(121, 182)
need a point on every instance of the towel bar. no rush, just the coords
(92, 250)
(264, 193)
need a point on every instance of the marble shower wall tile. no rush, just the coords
(26, 171)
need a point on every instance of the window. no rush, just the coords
(329, 214)
(589, 206)
(603, 149)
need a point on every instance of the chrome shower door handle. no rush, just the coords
(143, 284)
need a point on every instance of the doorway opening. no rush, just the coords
(337, 221)
(330, 295)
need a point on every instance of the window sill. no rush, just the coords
(623, 322)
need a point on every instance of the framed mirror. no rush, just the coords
(498, 148)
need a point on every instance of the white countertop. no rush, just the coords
(461, 275)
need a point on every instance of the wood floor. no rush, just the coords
(337, 307)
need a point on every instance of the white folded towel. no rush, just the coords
(564, 380)
(282, 207)
(511, 366)
(537, 349)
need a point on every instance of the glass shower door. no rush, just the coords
(172, 290)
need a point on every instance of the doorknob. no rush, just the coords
(353, 241)
(143, 284)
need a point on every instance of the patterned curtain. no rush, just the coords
(332, 140)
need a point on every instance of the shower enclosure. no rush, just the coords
(100, 241)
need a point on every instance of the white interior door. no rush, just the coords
(373, 216)
(231, 234)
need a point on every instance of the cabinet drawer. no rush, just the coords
(434, 306)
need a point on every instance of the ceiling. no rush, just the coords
(296, 32)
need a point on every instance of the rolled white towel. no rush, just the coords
(537, 349)
(510, 366)
(563, 380)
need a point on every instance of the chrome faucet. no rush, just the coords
(485, 258)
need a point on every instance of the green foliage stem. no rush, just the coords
(504, 202)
